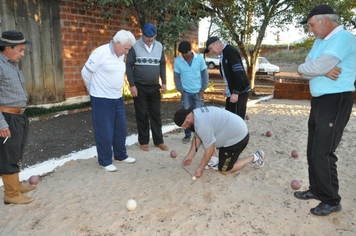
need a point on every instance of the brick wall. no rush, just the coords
(296, 91)
(84, 30)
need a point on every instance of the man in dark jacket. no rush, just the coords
(233, 73)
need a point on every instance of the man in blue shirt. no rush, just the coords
(331, 68)
(191, 79)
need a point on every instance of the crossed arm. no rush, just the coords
(324, 65)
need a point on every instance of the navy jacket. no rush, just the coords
(237, 80)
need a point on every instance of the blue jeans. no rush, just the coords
(109, 122)
(188, 100)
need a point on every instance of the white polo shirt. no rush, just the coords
(104, 73)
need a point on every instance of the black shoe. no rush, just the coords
(324, 209)
(186, 139)
(305, 195)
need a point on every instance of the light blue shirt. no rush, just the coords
(342, 45)
(190, 75)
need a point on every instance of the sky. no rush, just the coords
(289, 35)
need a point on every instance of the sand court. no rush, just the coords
(80, 198)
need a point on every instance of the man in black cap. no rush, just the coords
(13, 121)
(145, 64)
(191, 79)
(216, 127)
(331, 68)
(233, 73)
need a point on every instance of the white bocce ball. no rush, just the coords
(131, 204)
(194, 178)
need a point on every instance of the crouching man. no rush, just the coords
(216, 127)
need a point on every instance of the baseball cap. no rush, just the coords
(181, 114)
(210, 41)
(318, 10)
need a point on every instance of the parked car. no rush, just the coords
(212, 62)
(263, 67)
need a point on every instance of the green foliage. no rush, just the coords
(173, 18)
(211, 84)
(307, 43)
(345, 9)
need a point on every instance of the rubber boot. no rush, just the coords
(12, 190)
(25, 189)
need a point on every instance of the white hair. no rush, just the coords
(334, 18)
(124, 36)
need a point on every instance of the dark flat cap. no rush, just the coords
(149, 30)
(184, 47)
(210, 41)
(319, 10)
(181, 114)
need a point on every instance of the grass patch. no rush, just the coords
(39, 111)
(288, 56)
(171, 91)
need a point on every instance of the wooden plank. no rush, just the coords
(8, 12)
(20, 8)
(1, 14)
(57, 50)
(46, 51)
(42, 65)
(38, 95)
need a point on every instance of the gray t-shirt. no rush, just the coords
(217, 126)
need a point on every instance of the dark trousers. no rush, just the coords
(11, 152)
(239, 108)
(229, 155)
(148, 111)
(110, 129)
(329, 115)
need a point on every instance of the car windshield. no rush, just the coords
(263, 60)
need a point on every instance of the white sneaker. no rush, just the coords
(110, 168)
(128, 160)
(213, 164)
(261, 159)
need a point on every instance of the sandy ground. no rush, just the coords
(80, 198)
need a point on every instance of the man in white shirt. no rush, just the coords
(103, 75)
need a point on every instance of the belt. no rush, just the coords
(13, 110)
